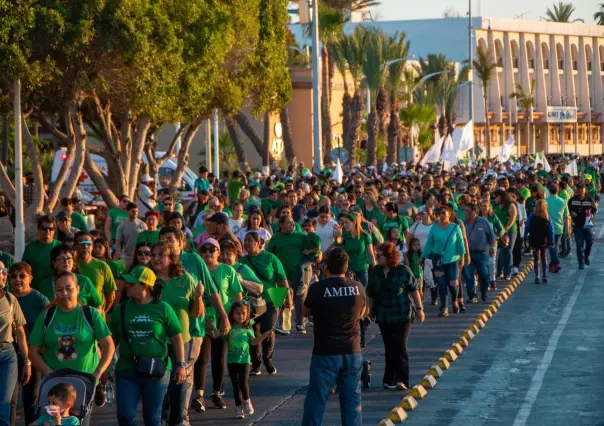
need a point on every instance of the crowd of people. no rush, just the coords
(167, 287)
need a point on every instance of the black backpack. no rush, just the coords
(538, 232)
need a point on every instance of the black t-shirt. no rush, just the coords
(336, 305)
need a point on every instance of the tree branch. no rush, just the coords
(56, 188)
(161, 160)
(36, 166)
(142, 127)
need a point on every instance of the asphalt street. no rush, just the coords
(537, 362)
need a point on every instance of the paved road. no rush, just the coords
(536, 363)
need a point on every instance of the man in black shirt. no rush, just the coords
(337, 304)
(582, 209)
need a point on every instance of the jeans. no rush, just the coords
(263, 323)
(362, 276)
(504, 257)
(29, 396)
(565, 245)
(325, 370)
(298, 299)
(216, 350)
(479, 263)
(584, 239)
(131, 387)
(396, 338)
(539, 258)
(239, 374)
(443, 279)
(493, 266)
(553, 252)
(517, 250)
(9, 371)
(175, 401)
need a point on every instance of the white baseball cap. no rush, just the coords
(147, 178)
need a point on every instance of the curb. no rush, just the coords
(420, 391)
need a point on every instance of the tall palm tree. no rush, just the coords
(375, 73)
(599, 15)
(526, 101)
(485, 70)
(399, 49)
(562, 12)
(420, 117)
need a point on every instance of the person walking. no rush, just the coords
(337, 305)
(481, 240)
(557, 210)
(539, 232)
(126, 236)
(582, 208)
(506, 212)
(390, 291)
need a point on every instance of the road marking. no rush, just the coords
(601, 234)
(537, 381)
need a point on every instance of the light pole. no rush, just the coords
(316, 107)
(209, 145)
(471, 71)
(216, 167)
(19, 225)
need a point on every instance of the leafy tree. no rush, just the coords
(419, 118)
(485, 67)
(599, 15)
(561, 12)
(526, 101)
(399, 49)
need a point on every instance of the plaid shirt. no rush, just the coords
(390, 295)
(28, 194)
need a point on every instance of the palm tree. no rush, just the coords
(399, 48)
(599, 15)
(375, 73)
(420, 117)
(526, 101)
(562, 12)
(485, 70)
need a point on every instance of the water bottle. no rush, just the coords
(109, 392)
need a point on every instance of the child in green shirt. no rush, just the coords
(312, 241)
(239, 339)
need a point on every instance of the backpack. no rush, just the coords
(50, 313)
(538, 232)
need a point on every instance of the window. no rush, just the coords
(546, 64)
(575, 65)
(515, 63)
(531, 63)
(561, 64)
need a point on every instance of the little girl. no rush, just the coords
(412, 261)
(240, 338)
(539, 232)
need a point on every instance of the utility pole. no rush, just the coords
(209, 146)
(471, 70)
(316, 106)
(216, 147)
(19, 225)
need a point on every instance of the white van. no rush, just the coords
(166, 171)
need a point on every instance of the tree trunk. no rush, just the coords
(232, 128)
(393, 130)
(78, 161)
(381, 105)
(183, 153)
(99, 181)
(325, 103)
(488, 126)
(372, 135)
(357, 107)
(266, 157)
(244, 124)
(346, 121)
(136, 157)
(288, 138)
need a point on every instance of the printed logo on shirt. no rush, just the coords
(341, 291)
(66, 351)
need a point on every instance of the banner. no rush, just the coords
(506, 150)
(338, 173)
(433, 154)
(540, 159)
(571, 168)
(449, 156)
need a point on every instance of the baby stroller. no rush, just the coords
(84, 385)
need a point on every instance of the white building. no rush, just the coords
(566, 61)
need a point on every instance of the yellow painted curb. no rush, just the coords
(386, 422)
(457, 348)
(450, 355)
(474, 329)
(469, 334)
(408, 403)
(496, 302)
(443, 363)
(488, 313)
(418, 392)
(398, 415)
(435, 371)
(482, 316)
(479, 323)
(428, 382)
(463, 342)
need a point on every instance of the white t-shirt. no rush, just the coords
(144, 192)
(326, 233)
(235, 224)
(420, 231)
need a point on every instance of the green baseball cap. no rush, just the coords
(140, 274)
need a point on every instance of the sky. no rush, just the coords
(392, 10)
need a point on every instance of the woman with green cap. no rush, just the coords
(143, 340)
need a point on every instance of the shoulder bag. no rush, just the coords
(256, 303)
(437, 259)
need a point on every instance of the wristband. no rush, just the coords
(419, 308)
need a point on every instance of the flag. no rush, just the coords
(338, 173)
(571, 168)
(433, 154)
(449, 156)
(465, 141)
(540, 159)
(506, 150)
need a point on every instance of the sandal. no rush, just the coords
(455, 307)
(444, 313)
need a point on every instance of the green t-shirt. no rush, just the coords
(69, 342)
(38, 256)
(356, 250)
(399, 222)
(177, 208)
(267, 205)
(275, 227)
(239, 345)
(194, 265)
(234, 188)
(149, 326)
(268, 268)
(79, 221)
(247, 274)
(227, 283)
(179, 293)
(374, 214)
(503, 214)
(116, 266)
(288, 248)
(557, 209)
(101, 276)
(201, 184)
(88, 294)
(118, 216)
(46, 419)
(31, 306)
(147, 237)
(312, 241)
(8, 259)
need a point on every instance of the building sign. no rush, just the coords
(561, 114)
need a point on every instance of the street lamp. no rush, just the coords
(316, 107)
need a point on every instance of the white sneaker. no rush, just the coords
(247, 405)
(514, 271)
(240, 414)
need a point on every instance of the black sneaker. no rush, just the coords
(218, 402)
(544, 280)
(587, 261)
(255, 371)
(537, 280)
(270, 368)
(198, 404)
(99, 396)
(389, 386)
(401, 386)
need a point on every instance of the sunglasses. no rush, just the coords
(143, 253)
(15, 276)
(47, 228)
(85, 243)
(205, 250)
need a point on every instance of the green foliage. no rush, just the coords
(348, 52)
(422, 116)
(228, 157)
(485, 66)
(376, 55)
(599, 15)
(382, 147)
(525, 99)
(561, 12)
